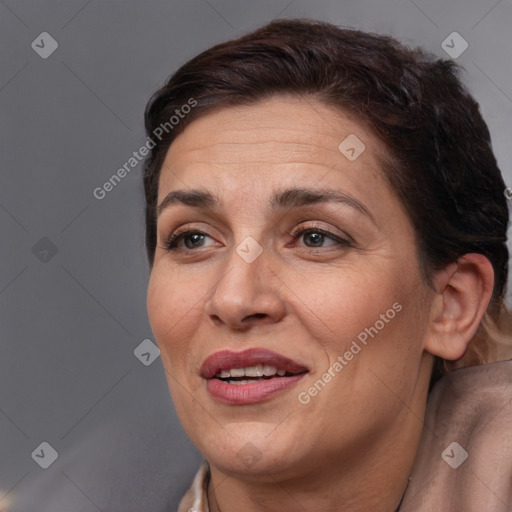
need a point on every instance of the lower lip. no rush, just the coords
(243, 394)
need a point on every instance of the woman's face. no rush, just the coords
(341, 307)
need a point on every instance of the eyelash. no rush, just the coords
(171, 243)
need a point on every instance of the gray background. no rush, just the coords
(70, 321)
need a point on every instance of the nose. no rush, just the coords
(247, 294)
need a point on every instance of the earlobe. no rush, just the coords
(463, 291)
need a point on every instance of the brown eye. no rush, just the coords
(314, 238)
(192, 239)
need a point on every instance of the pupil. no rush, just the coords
(197, 237)
(315, 237)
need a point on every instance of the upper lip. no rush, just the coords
(227, 360)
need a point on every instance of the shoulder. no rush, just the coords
(464, 460)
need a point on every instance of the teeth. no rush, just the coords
(254, 371)
(259, 370)
(269, 370)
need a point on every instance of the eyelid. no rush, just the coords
(314, 226)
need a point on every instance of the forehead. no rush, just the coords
(290, 140)
(281, 119)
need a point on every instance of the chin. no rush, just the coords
(256, 453)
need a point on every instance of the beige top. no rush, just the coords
(464, 459)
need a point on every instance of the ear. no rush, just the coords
(463, 291)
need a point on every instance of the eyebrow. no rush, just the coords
(289, 198)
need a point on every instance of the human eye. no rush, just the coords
(189, 240)
(316, 236)
(194, 236)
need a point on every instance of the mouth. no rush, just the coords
(250, 376)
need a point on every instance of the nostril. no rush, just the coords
(258, 315)
(216, 320)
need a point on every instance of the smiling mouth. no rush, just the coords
(249, 377)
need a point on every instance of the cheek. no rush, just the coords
(159, 305)
(173, 319)
(171, 315)
(343, 302)
(381, 347)
(370, 316)
(380, 360)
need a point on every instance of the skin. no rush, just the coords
(353, 445)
